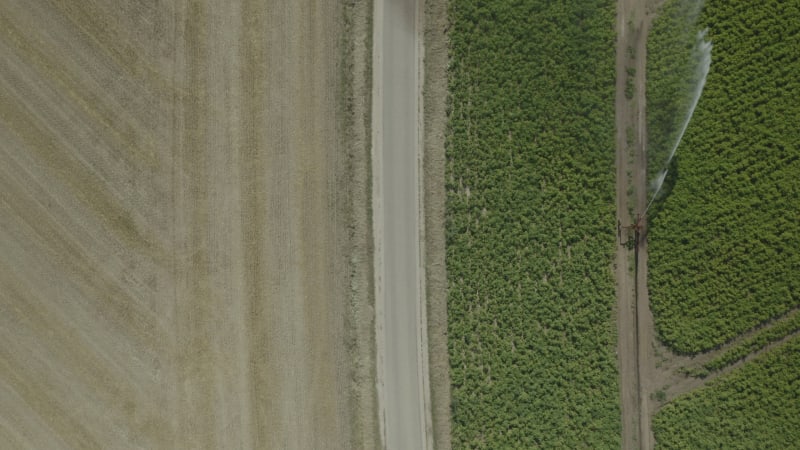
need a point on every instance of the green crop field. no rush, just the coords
(757, 406)
(767, 335)
(530, 224)
(673, 79)
(724, 241)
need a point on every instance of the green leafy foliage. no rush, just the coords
(530, 224)
(725, 243)
(757, 406)
(672, 76)
(761, 339)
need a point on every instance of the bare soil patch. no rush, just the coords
(631, 39)
(635, 323)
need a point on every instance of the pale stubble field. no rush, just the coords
(184, 258)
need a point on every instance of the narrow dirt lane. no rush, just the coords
(637, 341)
(647, 340)
(626, 307)
(634, 341)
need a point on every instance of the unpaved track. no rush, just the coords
(626, 307)
(404, 396)
(639, 376)
(644, 317)
(634, 320)
(174, 226)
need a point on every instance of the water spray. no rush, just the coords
(702, 52)
(701, 55)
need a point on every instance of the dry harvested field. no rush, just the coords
(183, 225)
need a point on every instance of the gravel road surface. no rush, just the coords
(402, 371)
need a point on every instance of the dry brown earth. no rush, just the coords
(630, 41)
(635, 325)
(183, 225)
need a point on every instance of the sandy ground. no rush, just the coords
(183, 226)
(629, 20)
(669, 378)
(634, 320)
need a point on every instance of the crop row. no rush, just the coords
(724, 247)
(753, 407)
(530, 224)
(763, 337)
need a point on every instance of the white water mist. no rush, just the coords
(701, 55)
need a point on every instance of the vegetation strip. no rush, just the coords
(722, 239)
(724, 252)
(769, 334)
(530, 225)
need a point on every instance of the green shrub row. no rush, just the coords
(530, 224)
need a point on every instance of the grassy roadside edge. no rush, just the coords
(356, 94)
(434, 96)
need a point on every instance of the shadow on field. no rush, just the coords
(666, 189)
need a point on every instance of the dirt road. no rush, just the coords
(634, 331)
(626, 306)
(176, 225)
(404, 396)
(639, 376)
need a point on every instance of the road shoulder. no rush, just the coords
(434, 96)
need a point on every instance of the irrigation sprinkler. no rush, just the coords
(636, 227)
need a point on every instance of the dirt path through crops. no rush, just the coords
(668, 377)
(626, 306)
(181, 264)
(634, 328)
(644, 318)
